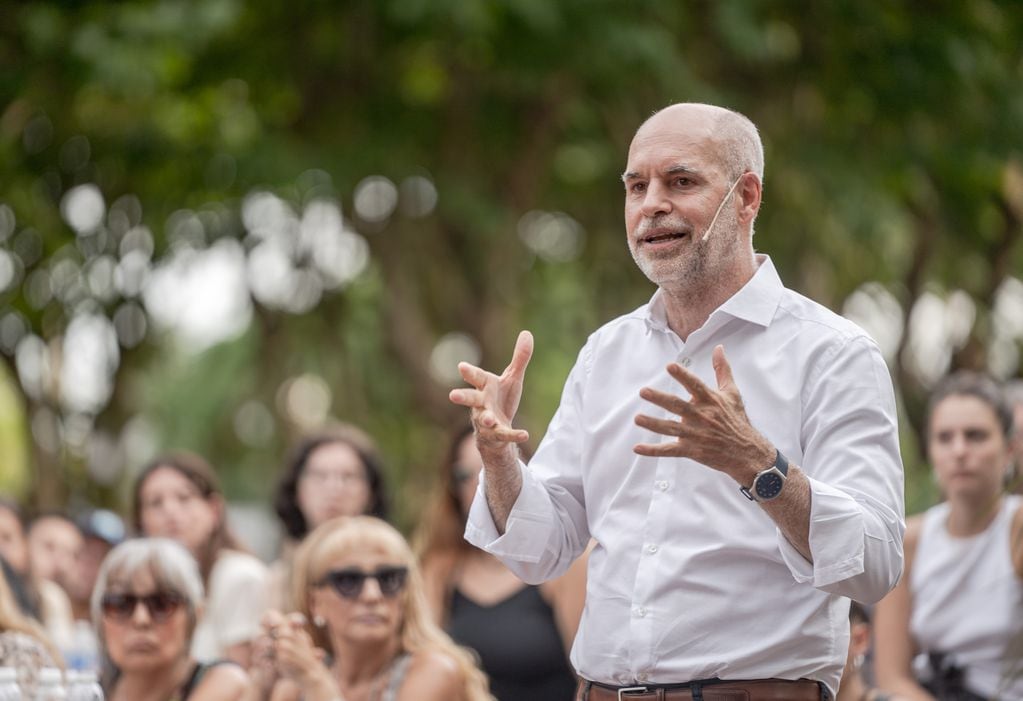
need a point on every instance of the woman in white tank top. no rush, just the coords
(953, 627)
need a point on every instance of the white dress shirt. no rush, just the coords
(689, 579)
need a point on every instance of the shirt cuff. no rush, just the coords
(529, 522)
(836, 538)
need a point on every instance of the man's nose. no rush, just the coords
(655, 200)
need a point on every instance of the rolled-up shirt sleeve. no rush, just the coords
(851, 457)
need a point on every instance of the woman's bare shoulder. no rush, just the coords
(224, 682)
(432, 675)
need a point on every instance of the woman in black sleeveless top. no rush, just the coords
(521, 633)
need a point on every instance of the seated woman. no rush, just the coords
(335, 472)
(178, 496)
(522, 633)
(145, 607)
(371, 637)
(951, 629)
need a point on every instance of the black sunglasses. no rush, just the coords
(349, 583)
(159, 605)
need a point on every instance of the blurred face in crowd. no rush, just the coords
(171, 506)
(53, 545)
(13, 546)
(465, 473)
(366, 614)
(333, 483)
(147, 635)
(968, 449)
(90, 557)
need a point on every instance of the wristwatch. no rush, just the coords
(768, 483)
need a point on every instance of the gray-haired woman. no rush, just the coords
(145, 607)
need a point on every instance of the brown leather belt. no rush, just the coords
(711, 690)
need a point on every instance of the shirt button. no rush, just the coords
(662, 485)
(686, 362)
(641, 612)
(642, 676)
(651, 548)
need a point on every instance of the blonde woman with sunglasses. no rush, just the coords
(145, 607)
(363, 631)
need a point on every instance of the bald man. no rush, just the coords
(730, 446)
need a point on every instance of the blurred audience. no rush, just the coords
(47, 600)
(952, 628)
(178, 496)
(23, 644)
(54, 542)
(522, 633)
(147, 600)
(371, 635)
(101, 530)
(336, 472)
(855, 686)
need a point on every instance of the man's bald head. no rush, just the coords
(734, 136)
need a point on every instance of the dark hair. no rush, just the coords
(442, 528)
(858, 613)
(967, 383)
(200, 473)
(286, 497)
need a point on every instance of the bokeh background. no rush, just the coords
(223, 223)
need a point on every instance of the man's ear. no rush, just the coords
(750, 191)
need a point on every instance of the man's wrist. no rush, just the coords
(761, 457)
(503, 457)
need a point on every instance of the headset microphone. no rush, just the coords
(723, 200)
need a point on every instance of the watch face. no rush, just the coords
(769, 485)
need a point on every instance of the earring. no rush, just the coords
(319, 621)
(857, 661)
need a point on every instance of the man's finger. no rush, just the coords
(673, 449)
(722, 370)
(477, 377)
(690, 381)
(471, 398)
(520, 357)
(511, 435)
(665, 427)
(670, 402)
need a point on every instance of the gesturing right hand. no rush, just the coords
(495, 399)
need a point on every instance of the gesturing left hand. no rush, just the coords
(712, 427)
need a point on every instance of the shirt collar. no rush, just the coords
(755, 302)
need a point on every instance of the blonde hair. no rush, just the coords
(13, 620)
(417, 632)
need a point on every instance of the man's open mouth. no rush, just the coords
(662, 237)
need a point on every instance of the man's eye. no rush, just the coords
(637, 187)
(682, 181)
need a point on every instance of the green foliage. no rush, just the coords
(891, 132)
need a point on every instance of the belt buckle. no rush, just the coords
(630, 689)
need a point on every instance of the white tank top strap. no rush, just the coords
(397, 676)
